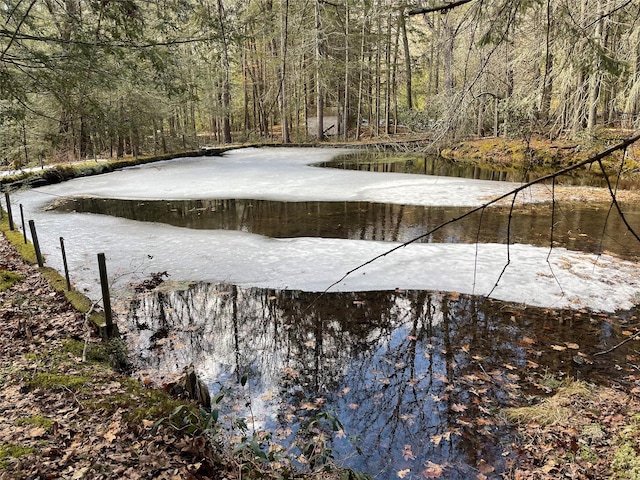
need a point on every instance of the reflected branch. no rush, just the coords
(553, 227)
(614, 200)
(506, 265)
(475, 259)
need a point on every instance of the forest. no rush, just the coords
(93, 78)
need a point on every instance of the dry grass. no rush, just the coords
(552, 410)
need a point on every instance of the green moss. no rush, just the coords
(139, 402)
(37, 421)
(587, 454)
(9, 279)
(51, 381)
(62, 172)
(78, 300)
(9, 450)
(626, 460)
(626, 463)
(16, 238)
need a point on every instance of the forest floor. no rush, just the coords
(62, 417)
(68, 417)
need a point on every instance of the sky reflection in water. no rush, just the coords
(413, 374)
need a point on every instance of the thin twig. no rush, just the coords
(632, 337)
(87, 335)
(553, 226)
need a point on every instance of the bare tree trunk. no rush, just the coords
(407, 59)
(547, 82)
(361, 79)
(376, 116)
(595, 77)
(284, 23)
(226, 85)
(345, 115)
(319, 89)
(387, 89)
(245, 90)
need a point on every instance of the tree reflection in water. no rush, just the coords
(414, 377)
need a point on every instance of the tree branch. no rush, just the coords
(443, 8)
(552, 176)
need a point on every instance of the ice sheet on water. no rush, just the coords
(569, 279)
(281, 174)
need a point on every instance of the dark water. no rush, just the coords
(434, 165)
(590, 227)
(413, 376)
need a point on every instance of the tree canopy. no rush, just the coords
(87, 78)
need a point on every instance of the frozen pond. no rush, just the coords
(528, 273)
(404, 350)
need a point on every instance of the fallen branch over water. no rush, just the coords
(514, 193)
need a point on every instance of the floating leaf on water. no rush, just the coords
(440, 377)
(290, 373)
(410, 419)
(465, 422)
(403, 473)
(484, 467)
(407, 454)
(433, 470)
(436, 439)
